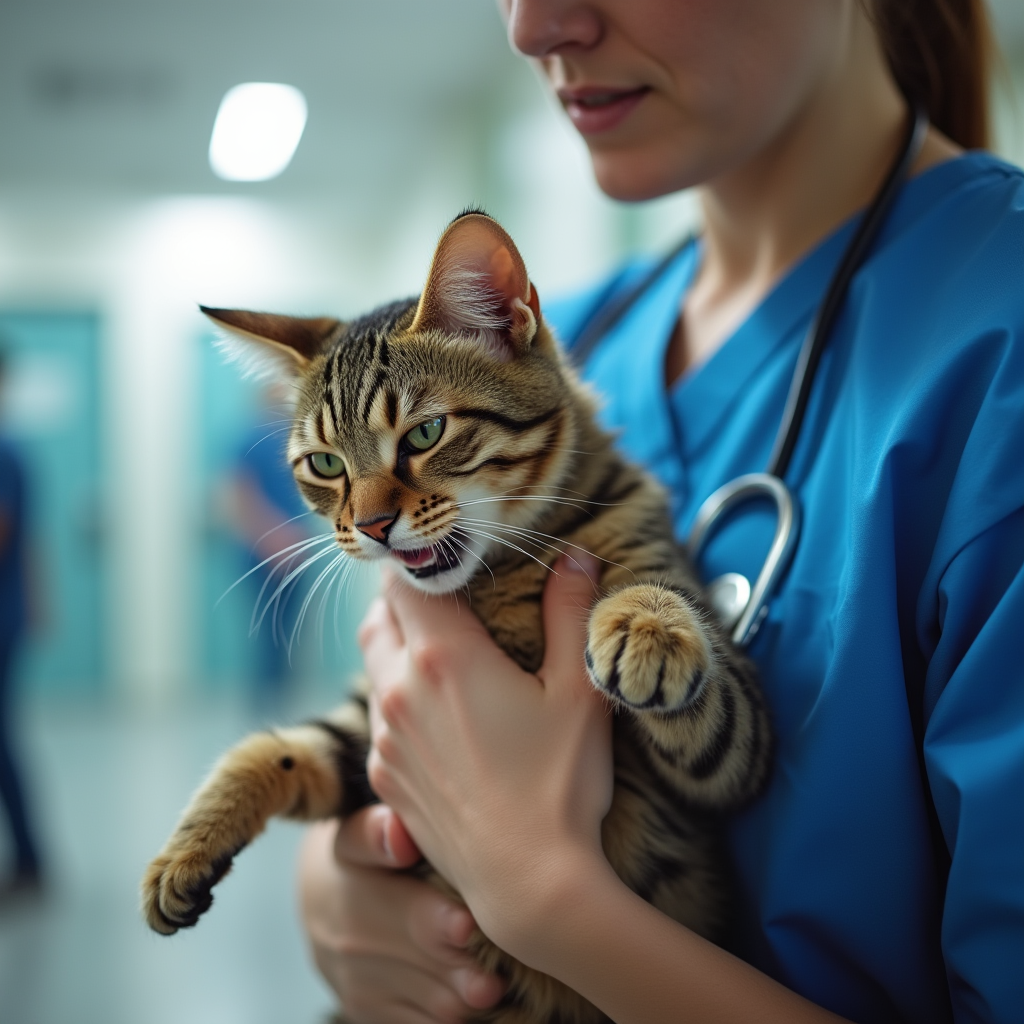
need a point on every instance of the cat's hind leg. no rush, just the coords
(306, 772)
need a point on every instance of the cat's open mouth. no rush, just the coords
(425, 562)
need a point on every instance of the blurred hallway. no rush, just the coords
(113, 226)
(110, 784)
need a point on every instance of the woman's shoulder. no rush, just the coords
(949, 268)
(974, 176)
(966, 209)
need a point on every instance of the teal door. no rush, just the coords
(49, 407)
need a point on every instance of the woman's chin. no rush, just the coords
(634, 176)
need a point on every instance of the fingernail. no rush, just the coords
(384, 817)
(456, 925)
(478, 990)
(583, 563)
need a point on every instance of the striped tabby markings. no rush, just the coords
(288, 773)
(326, 431)
(513, 446)
(645, 649)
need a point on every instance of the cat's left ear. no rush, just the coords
(269, 345)
(478, 288)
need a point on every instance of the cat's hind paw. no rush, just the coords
(290, 772)
(176, 889)
(646, 648)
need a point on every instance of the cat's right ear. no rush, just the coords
(478, 288)
(272, 346)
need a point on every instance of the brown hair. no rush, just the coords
(940, 53)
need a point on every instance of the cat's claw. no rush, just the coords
(645, 649)
(176, 890)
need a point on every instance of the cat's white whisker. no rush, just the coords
(452, 539)
(508, 544)
(517, 497)
(274, 599)
(266, 437)
(284, 565)
(298, 545)
(345, 575)
(571, 503)
(524, 531)
(322, 609)
(307, 601)
(348, 570)
(274, 529)
(300, 618)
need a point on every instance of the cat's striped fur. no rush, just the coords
(520, 460)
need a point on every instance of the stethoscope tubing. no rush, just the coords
(744, 617)
(744, 622)
(820, 330)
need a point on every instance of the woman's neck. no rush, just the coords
(761, 217)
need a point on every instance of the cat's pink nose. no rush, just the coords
(377, 528)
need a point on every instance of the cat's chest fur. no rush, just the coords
(509, 605)
(622, 521)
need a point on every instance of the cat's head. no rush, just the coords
(433, 432)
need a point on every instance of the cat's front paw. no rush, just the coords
(176, 887)
(646, 649)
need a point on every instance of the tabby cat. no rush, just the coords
(448, 435)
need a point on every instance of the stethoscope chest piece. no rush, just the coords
(729, 596)
(740, 607)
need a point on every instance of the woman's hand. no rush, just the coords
(391, 946)
(502, 777)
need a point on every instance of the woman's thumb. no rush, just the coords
(568, 595)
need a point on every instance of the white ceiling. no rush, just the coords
(121, 94)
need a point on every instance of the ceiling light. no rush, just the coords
(258, 127)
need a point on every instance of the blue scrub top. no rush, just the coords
(910, 474)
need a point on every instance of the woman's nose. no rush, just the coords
(542, 28)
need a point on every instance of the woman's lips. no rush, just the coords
(594, 110)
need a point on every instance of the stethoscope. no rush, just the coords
(740, 605)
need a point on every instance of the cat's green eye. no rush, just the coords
(327, 465)
(426, 435)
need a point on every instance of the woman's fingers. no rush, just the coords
(420, 998)
(375, 837)
(568, 595)
(390, 945)
(477, 988)
(420, 619)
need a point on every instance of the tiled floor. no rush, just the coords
(109, 785)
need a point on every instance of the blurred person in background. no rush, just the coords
(268, 517)
(25, 875)
(786, 114)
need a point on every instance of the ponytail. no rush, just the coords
(940, 53)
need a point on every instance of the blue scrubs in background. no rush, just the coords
(910, 473)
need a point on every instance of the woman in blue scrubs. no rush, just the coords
(877, 883)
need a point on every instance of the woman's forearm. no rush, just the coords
(640, 967)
